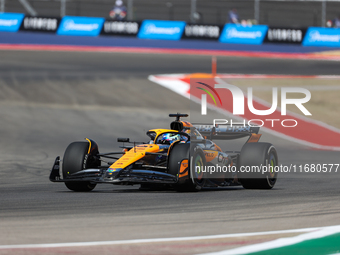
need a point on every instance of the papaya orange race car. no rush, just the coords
(183, 157)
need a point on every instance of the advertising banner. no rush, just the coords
(243, 34)
(285, 35)
(164, 30)
(41, 24)
(10, 22)
(80, 26)
(197, 31)
(112, 27)
(320, 36)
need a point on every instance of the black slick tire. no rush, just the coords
(76, 159)
(256, 156)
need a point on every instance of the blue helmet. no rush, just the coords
(169, 138)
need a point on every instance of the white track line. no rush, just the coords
(281, 242)
(155, 240)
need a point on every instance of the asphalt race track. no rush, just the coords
(49, 99)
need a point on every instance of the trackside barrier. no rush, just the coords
(40, 24)
(83, 26)
(10, 22)
(318, 36)
(171, 30)
(243, 34)
(285, 35)
(164, 30)
(126, 28)
(202, 31)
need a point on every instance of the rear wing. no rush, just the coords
(225, 132)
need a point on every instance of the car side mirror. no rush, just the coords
(123, 140)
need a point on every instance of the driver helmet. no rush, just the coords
(169, 138)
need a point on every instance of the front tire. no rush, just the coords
(76, 159)
(257, 155)
(195, 179)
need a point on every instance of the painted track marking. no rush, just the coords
(281, 242)
(136, 241)
(230, 53)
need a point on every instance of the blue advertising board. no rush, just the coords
(164, 30)
(320, 36)
(233, 33)
(80, 26)
(11, 22)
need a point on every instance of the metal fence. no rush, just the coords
(292, 13)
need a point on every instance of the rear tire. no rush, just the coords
(258, 154)
(76, 159)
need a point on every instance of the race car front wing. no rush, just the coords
(125, 176)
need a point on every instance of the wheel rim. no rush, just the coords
(272, 174)
(199, 163)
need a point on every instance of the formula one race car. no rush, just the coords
(183, 157)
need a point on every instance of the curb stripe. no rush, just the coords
(281, 242)
(81, 48)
